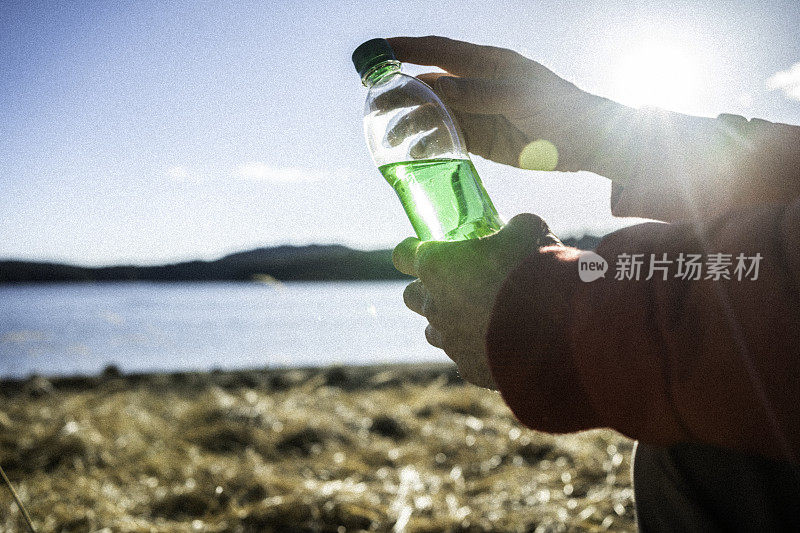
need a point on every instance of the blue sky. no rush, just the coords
(157, 131)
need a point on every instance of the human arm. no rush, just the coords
(458, 282)
(663, 361)
(714, 362)
(663, 165)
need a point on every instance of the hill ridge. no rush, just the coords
(312, 262)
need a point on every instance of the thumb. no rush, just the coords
(525, 232)
(476, 95)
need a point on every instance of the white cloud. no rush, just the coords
(259, 171)
(787, 81)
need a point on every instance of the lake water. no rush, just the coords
(81, 328)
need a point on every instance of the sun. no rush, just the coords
(660, 74)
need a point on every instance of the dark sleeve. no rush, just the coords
(678, 168)
(662, 361)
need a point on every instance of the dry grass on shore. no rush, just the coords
(343, 449)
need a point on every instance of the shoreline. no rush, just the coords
(407, 447)
(348, 377)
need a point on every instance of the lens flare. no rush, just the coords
(659, 74)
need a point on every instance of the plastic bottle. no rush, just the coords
(420, 151)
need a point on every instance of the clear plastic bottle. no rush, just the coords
(420, 151)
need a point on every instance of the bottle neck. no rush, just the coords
(379, 71)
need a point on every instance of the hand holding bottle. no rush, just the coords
(508, 105)
(419, 150)
(458, 283)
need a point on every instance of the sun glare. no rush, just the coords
(660, 74)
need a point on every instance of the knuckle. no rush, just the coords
(428, 261)
(394, 136)
(396, 256)
(527, 219)
(428, 306)
(411, 295)
(408, 294)
(403, 254)
(433, 337)
(420, 148)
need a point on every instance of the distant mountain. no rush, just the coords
(285, 263)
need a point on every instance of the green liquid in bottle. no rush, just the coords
(444, 198)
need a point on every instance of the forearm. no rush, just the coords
(661, 360)
(676, 167)
(626, 144)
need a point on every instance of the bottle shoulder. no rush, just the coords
(399, 90)
(404, 120)
(393, 80)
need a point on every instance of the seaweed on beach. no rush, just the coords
(344, 449)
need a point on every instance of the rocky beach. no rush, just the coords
(392, 448)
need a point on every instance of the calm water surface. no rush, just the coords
(81, 328)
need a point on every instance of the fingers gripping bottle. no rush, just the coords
(420, 151)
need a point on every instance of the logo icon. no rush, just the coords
(591, 266)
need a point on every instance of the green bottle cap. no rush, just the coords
(371, 53)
